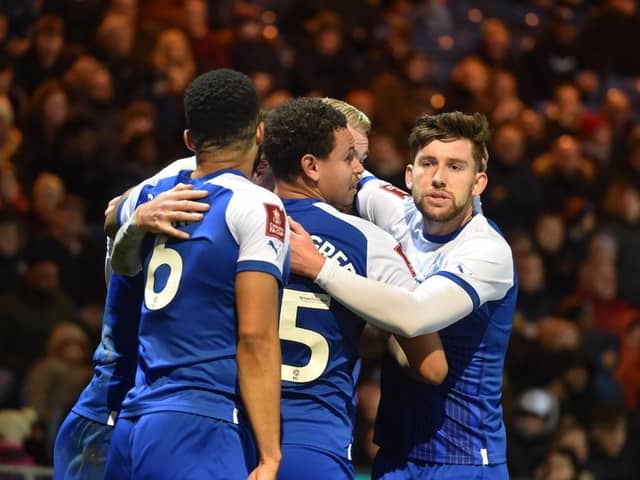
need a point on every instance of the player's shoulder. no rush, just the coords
(186, 163)
(369, 231)
(173, 169)
(242, 187)
(485, 228)
(252, 205)
(165, 178)
(484, 237)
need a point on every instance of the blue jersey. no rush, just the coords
(320, 337)
(188, 326)
(459, 421)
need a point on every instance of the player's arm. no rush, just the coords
(258, 224)
(111, 222)
(259, 360)
(423, 357)
(402, 312)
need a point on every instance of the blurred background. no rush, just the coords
(91, 103)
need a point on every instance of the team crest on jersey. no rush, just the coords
(276, 221)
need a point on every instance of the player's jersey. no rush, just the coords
(188, 327)
(459, 421)
(115, 357)
(320, 337)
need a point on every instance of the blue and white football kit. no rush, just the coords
(468, 294)
(185, 410)
(83, 439)
(319, 339)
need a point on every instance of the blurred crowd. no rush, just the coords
(91, 103)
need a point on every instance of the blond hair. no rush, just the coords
(355, 117)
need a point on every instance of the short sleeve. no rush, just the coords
(258, 222)
(482, 266)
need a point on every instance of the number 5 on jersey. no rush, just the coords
(319, 358)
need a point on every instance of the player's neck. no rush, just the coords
(440, 228)
(212, 161)
(296, 190)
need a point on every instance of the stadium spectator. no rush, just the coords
(56, 379)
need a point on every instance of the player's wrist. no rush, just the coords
(316, 266)
(141, 220)
(321, 273)
(272, 458)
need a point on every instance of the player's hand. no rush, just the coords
(265, 471)
(179, 204)
(305, 259)
(111, 205)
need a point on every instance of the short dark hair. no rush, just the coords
(298, 127)
(221, 108)
(451, 126)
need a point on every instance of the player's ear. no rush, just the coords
(260, 133)
(408, 176)
(188, 140)
(480, 183)
(309, 166)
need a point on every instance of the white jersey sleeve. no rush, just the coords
(482, 266)
(383, 203)
(128, 206)
(479, 271)
(258, 223)
(386, 261)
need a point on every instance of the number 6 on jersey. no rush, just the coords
(162, 255)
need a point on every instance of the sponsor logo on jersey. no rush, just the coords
(276, 248)
(276, 222)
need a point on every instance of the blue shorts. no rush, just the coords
(81, 448)
(170, 445)
(308, 463)
(390, 468)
